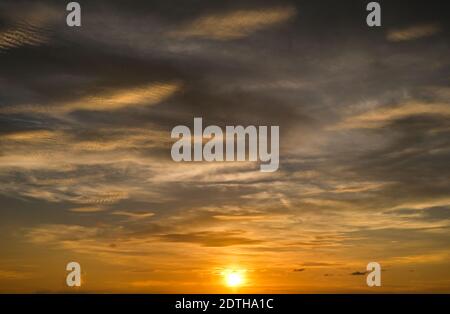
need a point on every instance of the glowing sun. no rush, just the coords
(234, 278)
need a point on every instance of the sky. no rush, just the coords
(86, 173)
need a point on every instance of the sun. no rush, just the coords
(234, 278)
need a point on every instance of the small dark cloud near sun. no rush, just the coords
(358, 273)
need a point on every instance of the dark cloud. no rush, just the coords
(358, 273)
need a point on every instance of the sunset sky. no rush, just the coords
(86, 173)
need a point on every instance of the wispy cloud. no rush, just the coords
(87, 209)
(413, 32)
(212, 238)
(138, 96)
(147, 95)
(133, 214)
(381, 116)
(234, 25)
(29, 25)
(22, 35)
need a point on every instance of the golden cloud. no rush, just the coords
(87, 209)
(236, 24)
(413, 32)
(133, 215)
(31, 26)
(381, 116)
(147, 95)
(21, 36)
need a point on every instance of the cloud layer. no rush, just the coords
(85, 163)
